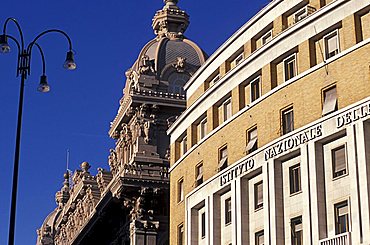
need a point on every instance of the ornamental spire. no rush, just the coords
(170, 21)
(62, 196)
(171, 3)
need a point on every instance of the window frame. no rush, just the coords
(199, 174)
(325, 44)
(251, 146)
(180, 234)
(257, 235)
(336, 175)
(284, 112)
(183, 145)
(326, 108)
(214, 80)
(222, 161)
(180, 190)
(224, 106)
(228, 211)
(258, 205)
(265, 37)
(286, 61)
(337, 206)
(293, 224)
(306, 11)
(254, 81)
(295, 188)
(203, 128)
(203, 225)
(237, 60)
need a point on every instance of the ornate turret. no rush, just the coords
(170, 21)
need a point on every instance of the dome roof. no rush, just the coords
(170, 48)
(164, 52)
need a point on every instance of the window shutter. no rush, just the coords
(227, 110)
(332, 43)
(298, 227)
(288, 121)
(222, 163)
(252, 135)
(330, 101)
(255, 89)
(343, 210)
(200, 173)
(339, 155)
(259, 193)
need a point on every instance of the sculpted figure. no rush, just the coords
(146, 66)
(180, 64)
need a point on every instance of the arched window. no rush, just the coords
(176, 82)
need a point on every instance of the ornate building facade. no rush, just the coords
(274, 145)
(129, 203)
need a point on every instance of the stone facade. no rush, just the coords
(315, 46)
(129, 202)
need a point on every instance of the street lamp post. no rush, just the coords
(24, 70)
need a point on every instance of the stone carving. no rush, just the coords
(100, 180)
(46, 235)
(148, 130)
(113, 161)
(168, 154)
(180, 64)
(146, 66)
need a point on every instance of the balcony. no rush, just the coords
(341, 239)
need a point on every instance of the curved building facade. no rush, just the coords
(274, 145)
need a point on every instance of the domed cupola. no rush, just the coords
(163, 67)
(168, 61)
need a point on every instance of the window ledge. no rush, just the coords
(258, 209)
(295, 193)
(340, 176)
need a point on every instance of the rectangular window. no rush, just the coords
(255, 88)
(222, 161)
(214, 80)
(228, 211)
(339, 160)
(180, 190)
(183, 145)
(300, 15)
(180, 235)
(330, 101)
(303, 13)
(290, 67)
(266, 38)
(260, 238)
(331, 44)
(239, 58)
(258, 195)
(203, 225)
(202, 128)
(199, 174)
(297, 231)
(227, 109)
(287, 119)
(295, 179)
(341, 217)
(252, 140)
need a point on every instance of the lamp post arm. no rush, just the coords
(42, 58)
(29, 48)
(16, 41)
(19, 51)
(18, 27)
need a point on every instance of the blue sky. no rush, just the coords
(107, 36)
